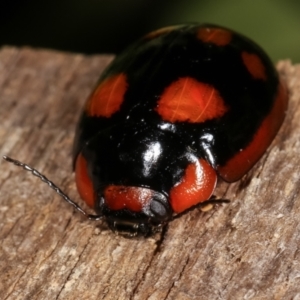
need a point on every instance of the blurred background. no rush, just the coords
(107, 26)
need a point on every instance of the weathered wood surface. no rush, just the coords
(247, 249)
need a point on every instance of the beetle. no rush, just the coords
(180, 108)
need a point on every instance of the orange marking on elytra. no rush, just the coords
(180, 98)
(217, 36)
(207, 104)
(83, 182)
(107, 97)
(254, 65)
(188, 100)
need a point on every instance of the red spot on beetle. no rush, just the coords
(188, 100)
(83, 181)
(217, 36)
(196, 186)
(119, 197)
(107, 97)
(254, 65)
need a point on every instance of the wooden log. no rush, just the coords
(247, 249)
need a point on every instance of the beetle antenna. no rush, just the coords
(52, 186)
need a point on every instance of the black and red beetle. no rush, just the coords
(179, 108)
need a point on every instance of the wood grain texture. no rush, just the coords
(247, 249)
